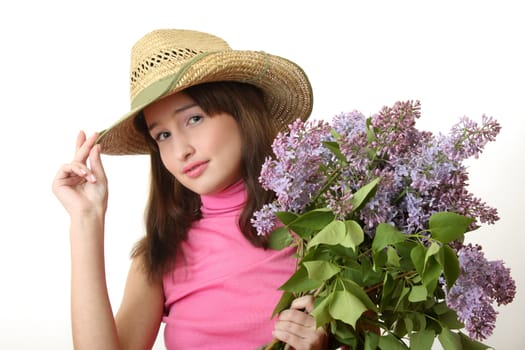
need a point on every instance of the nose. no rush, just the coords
(182, 147)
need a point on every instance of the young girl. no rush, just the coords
(207, 115)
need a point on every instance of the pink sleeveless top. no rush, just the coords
(221, 294)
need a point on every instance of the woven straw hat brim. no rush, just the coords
(288, 93)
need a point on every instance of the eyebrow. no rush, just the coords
(178, 110)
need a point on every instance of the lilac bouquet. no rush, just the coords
(377, 211)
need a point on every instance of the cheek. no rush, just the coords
(237, 156)
(168, 163)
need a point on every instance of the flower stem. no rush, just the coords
(271, 344)
(402, 275)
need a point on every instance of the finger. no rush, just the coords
(71, 174)
(293, 340)
(305, 302)
(96, 163)
(298, 317)
(81, 138)
(84, 146)
(300, 337)
(307, 339)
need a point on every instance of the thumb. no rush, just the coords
(305, 302)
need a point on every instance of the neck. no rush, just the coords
(232, 198)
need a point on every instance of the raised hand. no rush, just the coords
(81, 185)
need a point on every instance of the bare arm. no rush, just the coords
(138, 319)
(91, 314)
(140, 314)
(82, 190)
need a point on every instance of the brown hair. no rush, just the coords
(171, 208)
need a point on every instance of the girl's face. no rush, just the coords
(202, 152)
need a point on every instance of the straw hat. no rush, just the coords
(167, 61)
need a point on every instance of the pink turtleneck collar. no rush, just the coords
(231, 199)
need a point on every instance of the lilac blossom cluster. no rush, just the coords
(294, 174)
(420, 173)
(480, 284)
(321, 165)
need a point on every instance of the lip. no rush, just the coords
(195, 169)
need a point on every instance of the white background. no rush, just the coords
(64, 67)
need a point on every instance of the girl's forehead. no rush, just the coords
(168, 106)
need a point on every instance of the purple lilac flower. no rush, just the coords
(339, 200)
(264, 219)
(420, 173)
(503, 288)
(454, 196)
(427, 169)
(480, 284)
(466, 139)
(350, 124)
(394, 128)
(380, 208)
(294, 174)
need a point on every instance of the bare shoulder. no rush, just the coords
(140, 314)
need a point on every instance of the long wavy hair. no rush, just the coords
(171, 208)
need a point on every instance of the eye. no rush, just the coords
(161, 136)
(194, 119)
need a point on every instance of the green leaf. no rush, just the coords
(450, 340)
(471, 344)
(451, 269)
(359, 292)
(354, 235)
(280, 238)
(314, 219)
(388, 286)
(332, 234)
(320, 312)
(440, 308)
(417, 293)
(387, 234)
(362, 195)
(334, 148)
(284, 303)
(392, 259)
(346, 307)
(409, 324)
(403, 251)
(421, 320)
(286, 217)
(370, 134)
(401, 297)
(422, 340)
(343, 333)
(299, 282)
(369, 275)
(390, 342)
(417, 254)
(321, 270)
(335, 134)
(450, 320)
(447, 227)
(379, 259)
(431, 275)
(432, 250)
(371, 340)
